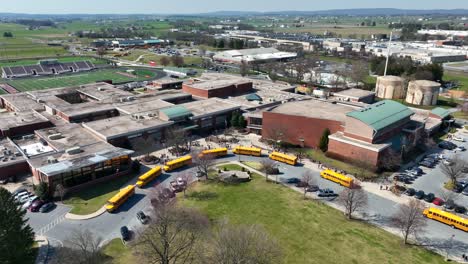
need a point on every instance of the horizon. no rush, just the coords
(109, 7)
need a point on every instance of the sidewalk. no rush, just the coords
(86, 217)
(43, 253)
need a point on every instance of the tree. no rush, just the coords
(359, 71)
(42, 190)
(307, 180)
(390, 161)
(101, 51)
(83, 246)
(454, 169)
(16, 235)
(202, 162)
(409, 219)
(60, 191)
(277, 134)
(172, 236)
(176, 138)
(241, 122)
(323, 143)
(187, 179)
(242, 244)
(267, 166)
(352, 200)
(235, 119)
(7, 34)
(164, 61)
(177, 60)
(244, 69)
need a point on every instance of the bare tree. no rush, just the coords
(244, 70)
(447, 195)
(307, 180)
(352, 200)
(176, 138)
(267, 166)
(165, 61)
(359, 71)
(177, 60)
(203, 162)
(336, 81)
(81, 247)
(101, 51)
(60, 191)
(187, 179)
(242, 244)
(454, 169)
(409, 219)
(173, 235)
(390, 161)
(277, 134)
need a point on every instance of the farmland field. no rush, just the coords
(116, 75)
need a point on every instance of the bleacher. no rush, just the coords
(47, 67)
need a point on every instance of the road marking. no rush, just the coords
(51, 225)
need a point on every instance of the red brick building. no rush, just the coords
(219, 88)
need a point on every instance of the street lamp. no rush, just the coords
(449, 247)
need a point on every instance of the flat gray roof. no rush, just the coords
(72, 135)
(210, 107)
(127, 125)
(354, 93)
(140, 107)
(10, 120)
(9, 153)
(22, 102)
(315, 109)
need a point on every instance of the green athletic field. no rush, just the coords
(40, 83)
(13, 62)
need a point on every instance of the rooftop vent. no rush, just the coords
(73, 151)
(51, 160)
(55, 136)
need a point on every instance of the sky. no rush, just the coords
(202, 6)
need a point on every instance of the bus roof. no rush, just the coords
(149, 173)
(337, 174)
(185, 158)
(249, 148)
(208, 151)
(283, 155)
(449, 215)
(121, 193)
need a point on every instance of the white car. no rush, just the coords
(21, 196)
(29, 202)
(458, 139)
(18, 195)
(26, 198)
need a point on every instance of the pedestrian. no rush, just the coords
(386, 187)
(380, 187)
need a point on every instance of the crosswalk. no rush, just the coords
(51, 225)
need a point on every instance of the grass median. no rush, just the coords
(89, 200)
(308, 231)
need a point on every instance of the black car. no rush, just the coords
(460, 209)
(142, 217)
(429, 197)
(458, 188)
(291, 180)
(46, 207)
(125, 233)
(326, 193)
(419, 195)
(447, 145)
(426, 164)
(312, 188)
(410, 192)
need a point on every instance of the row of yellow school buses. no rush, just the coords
(120, 198)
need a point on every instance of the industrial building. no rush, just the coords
(257, 55)
(390, 87)
(355, 95)
(423, 92)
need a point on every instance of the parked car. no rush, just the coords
(457, 138)
(419, 195)
(326, 193)
(47, 207)
(447, 145)
(460, 148)
(458, 188)
(460, 209)
(19, 190)
(435, 156)
(429, 197)
(125, 233)
(293, 180)
(25, 198)
(426, 164)
(410, 192)
(449, 205)
(142, 217)
(312, 188)
(5, 181)
(438, 201)
(21, 195)
(465, 191)
(301, 184)
(36, 205)
(27, 204)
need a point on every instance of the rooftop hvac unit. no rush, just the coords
(28, 137)
(74, 150)
(100, 89)
(51, 160)
(131, 98)
(55, 136)
(122, 100)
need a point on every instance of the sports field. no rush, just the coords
(13, 62)
(116, 75)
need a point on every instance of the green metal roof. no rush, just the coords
(176, 112)
(440, 112)
(253, 97)
(382, 114)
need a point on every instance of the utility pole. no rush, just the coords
(388, 52)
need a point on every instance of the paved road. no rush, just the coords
(107, 225)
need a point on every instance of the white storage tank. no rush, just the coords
(423, 92)
(390, 87)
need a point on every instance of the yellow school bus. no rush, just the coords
(241, 150)
(281, 157)
(447, 218)
(177, 163)
(337, 177)
(120, 198)
(215, 153)
(149, 176)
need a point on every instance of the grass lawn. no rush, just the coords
(116, 252)
(90, 200)
(460, 114)
(116, 75)
(308, 231)
(252, 164)
(349, 168)
(462, 78)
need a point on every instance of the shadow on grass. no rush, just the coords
(101, 188)
(202, 195)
